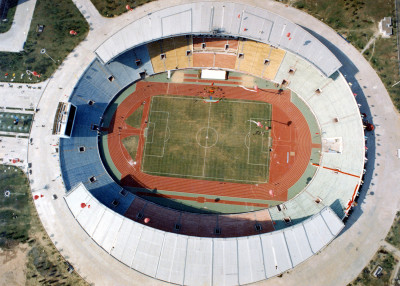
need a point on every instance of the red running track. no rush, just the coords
(289, 158)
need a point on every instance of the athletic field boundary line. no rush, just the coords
(205, 149)
(213, 178)
(262, 141)
(264, 178)
(223, 100)
(145, 143)
(147, 133)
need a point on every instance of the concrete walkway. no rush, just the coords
(91, 14)
(337, 264)
(370, 42)
(14, 39)
(391, 248)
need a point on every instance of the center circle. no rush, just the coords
(207, 137)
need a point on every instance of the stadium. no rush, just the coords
(211, 143)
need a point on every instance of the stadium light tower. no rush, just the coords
(43, 51)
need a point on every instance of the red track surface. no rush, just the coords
(214, 43)
(211, 59)
(289, 158)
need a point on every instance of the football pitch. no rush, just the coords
(225, 141)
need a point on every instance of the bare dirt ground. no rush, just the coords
(13, 265)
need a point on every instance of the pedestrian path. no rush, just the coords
(91, 14)
(371, 42)
(14, 39)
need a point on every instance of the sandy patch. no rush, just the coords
(177, 76)
(13, 266)
(248, 81)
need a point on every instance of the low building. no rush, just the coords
(385, 27)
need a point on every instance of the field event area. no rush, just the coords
(227, 140)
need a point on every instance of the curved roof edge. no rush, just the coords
(221, 19)
(187, 260)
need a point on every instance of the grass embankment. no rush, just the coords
(111, 8)
(357, 21)
(131, 144)
(11, 7)
(15, 208)
(135, 119)
(26, 252)
(393, 236)
(383, 57)
(383, 259)
(58, 17)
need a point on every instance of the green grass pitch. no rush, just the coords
(189, 138)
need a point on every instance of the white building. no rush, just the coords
(385, 27)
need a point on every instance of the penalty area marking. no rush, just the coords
(153, 126)
(262, 142)
(166, 138)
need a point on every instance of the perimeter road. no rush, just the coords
(337, 264)
(396, 5)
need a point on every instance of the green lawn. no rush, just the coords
(7, 122)
(15, 209)
(21, 229)
(355, 20)
(58, 17)
(135, 119)
(213, 141)
(383, 259)
(383, 58)
(131, 144)
(111, 8)
(393, 236)
(358, 21)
